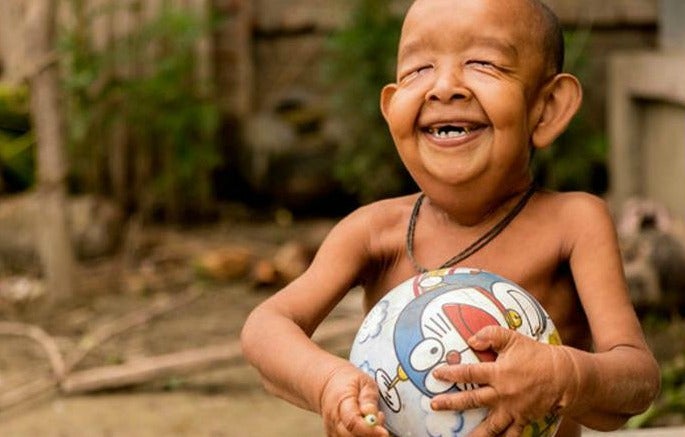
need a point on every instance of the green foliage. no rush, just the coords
(361, 62)
(576, 161)
(145, 84)
(17, 144)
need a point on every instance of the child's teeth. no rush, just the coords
(449, 133)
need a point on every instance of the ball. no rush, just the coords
(424, 323)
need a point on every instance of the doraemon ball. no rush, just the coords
(425, 320)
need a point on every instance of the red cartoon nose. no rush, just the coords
(453, 357)
(468, 320)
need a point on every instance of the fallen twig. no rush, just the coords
(140, 370)
(37, 387)
(46, 342)
(61, 368)
(147, 369)
(117, 327)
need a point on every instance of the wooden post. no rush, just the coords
(54, 244)
(234, 60)
(12, 43)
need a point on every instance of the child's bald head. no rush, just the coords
(475, 76)
(540, 23)
(549, 30)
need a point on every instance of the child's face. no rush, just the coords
(466, 98)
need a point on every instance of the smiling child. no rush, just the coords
(479, 87)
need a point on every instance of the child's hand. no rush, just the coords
(348, 397)
(528, 380)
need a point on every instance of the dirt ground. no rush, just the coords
(224, 401)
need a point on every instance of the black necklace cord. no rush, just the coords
(476, 245)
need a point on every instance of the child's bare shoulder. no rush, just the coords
(575, 204)
(381, 225)
(382, 214)
(379, 215)
(577, 214)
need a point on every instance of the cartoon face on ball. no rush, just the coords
(440, 323)
(425, 323)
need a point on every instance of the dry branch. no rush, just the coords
(140, 370)
(147, 369)
(61, 370)
(46, 342)
(117, 327)
(37, 387)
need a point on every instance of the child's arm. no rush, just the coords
(600, 390)
(276, 341)
(621, 378)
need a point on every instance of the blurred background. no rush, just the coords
(165, 165)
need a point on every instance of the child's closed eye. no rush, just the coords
(481, 63)
(416, 72)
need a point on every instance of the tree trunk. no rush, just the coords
(54, 247)
(233, 56)
(12, 44)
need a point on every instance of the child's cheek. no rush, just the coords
(404, 111)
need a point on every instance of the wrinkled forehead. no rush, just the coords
(517, 21)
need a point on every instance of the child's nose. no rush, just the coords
(448, 86)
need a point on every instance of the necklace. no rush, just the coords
(473, 247)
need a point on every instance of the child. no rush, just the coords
(479, 87)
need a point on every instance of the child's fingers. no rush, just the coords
(368, 399)
(368, 405)
(466, 400)
(496, 423)
(515, 430)
(376, 420)
(493, 337)
(342, 431)
(480, 373)
(356, 420)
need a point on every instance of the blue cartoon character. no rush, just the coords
(439, 312)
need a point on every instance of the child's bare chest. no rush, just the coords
(533, 260)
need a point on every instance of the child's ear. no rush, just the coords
(387, 94)
(561, 99)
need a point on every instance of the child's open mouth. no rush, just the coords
(451, 131)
